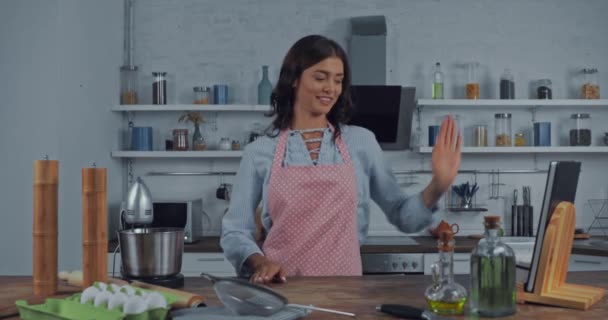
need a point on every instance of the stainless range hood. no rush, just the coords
(367, 50)
(385, 110)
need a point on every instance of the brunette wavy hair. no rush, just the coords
(305, 53)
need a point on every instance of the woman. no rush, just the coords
(315, 176)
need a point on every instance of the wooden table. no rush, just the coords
(359, 295)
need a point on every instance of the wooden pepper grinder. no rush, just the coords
(94, 226)
(46, 183)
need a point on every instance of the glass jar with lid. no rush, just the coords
(159, 88)
(202, 95)
(520, 139)
(472, 86)
(544, 89)
(502, 127)
(180, 139)
(580, 129)
(128, 85)
(590, 89)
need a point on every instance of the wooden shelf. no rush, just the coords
(493, 150)
(193, 107)
(517, 103)
(177, 154)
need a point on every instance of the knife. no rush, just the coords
(408, 312)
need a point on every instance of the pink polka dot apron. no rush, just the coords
(314, 216)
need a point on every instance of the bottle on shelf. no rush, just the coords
(437, 92)
(445, 296)
(264, 88)
(493, 289)
(507, 85)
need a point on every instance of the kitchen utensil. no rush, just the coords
(514, 214)
(183, 299)
(445, 226)
(245, 298)
(151, 252)
(139, 204)
(408, 312)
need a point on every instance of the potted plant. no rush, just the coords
(198, 143)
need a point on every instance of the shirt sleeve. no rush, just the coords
(407, 213)
(238, 225)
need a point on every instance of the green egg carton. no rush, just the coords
(70, 308)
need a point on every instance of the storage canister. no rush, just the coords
(590, 88)
(580, 130)
(543, 89)
(180, 139)
(502, 127)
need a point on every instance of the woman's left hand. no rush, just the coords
(446, 156)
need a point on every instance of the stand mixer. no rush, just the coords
(151, 255)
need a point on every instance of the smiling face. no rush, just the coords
(318, 88)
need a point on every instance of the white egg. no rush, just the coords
(134, 305)
(89, 294)
(156, 300)
(128, 290)
(63, 275)
(117, 300)
(113, 288)
(102, 286)
(102, 298)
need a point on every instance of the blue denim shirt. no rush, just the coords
(375, 181)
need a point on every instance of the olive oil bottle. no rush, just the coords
(445, 296)
(493, 289)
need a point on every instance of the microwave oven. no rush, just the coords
(186, 214)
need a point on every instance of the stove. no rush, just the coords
(392, 263)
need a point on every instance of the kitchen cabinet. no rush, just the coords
(462, 262)
(579, 262)
(192, 264)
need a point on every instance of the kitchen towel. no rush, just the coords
(222, 313)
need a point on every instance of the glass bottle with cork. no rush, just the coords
(437, 92)
(445, 296)
(493, 288)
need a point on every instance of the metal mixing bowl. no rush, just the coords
(151, 252)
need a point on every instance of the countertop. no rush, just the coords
(359, 295)
(425, 245)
